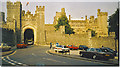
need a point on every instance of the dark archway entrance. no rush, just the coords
(29, 37)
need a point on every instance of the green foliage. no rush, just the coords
(113, 22)
(63, 21)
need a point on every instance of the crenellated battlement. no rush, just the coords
(40, 8)
(11, 5)
(102, 13)
(27, 14)
(91, 17)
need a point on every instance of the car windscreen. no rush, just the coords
(110, 50)
(4, 44)
(98, 50)
(69, 45)
(82, 46)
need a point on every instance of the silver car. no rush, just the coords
(4, 47)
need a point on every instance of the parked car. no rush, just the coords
(96, 53)
(72, 47)
(30, 42)
(83, 47)
(22, 45)
(106, 49)
(61, 49)
(4, 47)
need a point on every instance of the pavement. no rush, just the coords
(75, 55)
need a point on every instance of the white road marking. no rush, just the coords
(9, 62)
(12, 61)
(19, 63)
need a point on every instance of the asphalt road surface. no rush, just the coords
(38, 56)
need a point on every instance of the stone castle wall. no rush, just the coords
(79, 39)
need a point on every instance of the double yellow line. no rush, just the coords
(10, 54)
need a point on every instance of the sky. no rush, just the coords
(76, 8)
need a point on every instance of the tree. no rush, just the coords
(113, 22)
(63, 21)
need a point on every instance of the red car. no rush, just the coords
(72, 47)
(22, 45)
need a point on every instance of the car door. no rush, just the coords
(88, 52)
(91, 52)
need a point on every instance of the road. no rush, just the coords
(38, 56)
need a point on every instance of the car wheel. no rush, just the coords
(81, 55)
(94, 57)
(17, 47)
(9, 48)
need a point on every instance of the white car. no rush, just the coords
(4, 47)
(62, 48)
(30, 42)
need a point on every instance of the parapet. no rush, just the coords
(40, 8)
(9, 3)
(86, 17)
(102, 13)
(69, 17)
(91, 17)
(63, 10)
(15, 3)
(98, 10)
(27, 13)
(23, 11)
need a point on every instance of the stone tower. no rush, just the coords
(40, 19)
(102, 23)
(58, 15)
(14, 17)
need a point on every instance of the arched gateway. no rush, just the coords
(29, 33)
(33, 26)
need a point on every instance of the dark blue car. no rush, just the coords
(83, 47)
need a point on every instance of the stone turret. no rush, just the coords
(69, 17)
(63, 10)
(40, 18)
(86, 17)
(102, 23)
(58, 15)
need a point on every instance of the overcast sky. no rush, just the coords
(75, 9)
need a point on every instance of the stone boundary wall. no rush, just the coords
(79, 39)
